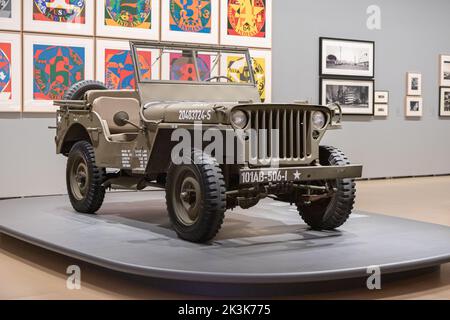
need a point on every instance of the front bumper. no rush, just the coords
(298, 174)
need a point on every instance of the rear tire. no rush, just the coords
(331, 213)
(79, 89)
(84, 179)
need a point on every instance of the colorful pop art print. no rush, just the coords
(115, 65)
(195, 21)
(74, 17)
(52, 65)
(10, 14)
(130, 19)
(177, 67)
(246, 23)
(234, 67)
(10, 72)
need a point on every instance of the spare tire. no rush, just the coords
(78, 90)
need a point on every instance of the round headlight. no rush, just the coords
(318, 120)
(239, 118)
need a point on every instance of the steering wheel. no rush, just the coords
(217, 78)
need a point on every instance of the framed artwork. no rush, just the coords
(194, 21)
(382, 97)
(10, 14)
(414, 106)
(444, 105)
(115, 65)
(356, 96)
(445, 71)
(246, 23)
(234, 66)
(414, 84)
(381, 110)
(130, 19)
(59, 16)
(177, 67)
(51, 65)
(347, 58)
(10, 72)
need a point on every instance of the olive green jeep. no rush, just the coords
(210, 143)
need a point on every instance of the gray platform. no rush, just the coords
(265, 245)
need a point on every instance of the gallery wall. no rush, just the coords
(413, 35)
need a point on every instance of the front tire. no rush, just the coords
(331, 213)
(195, 197)
(84, 179)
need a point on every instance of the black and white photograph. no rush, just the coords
(382, 97)
(354, 96)
(444, 98)
(10, 15)
(348, 58)
(381, 110)
(414, 84)
(445, 71)
(414, 106)
(5, 8)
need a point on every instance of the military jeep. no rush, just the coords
(132, 139)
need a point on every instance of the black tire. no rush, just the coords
(331, 213)
(78, 90)
(84, 179)
(195, 197)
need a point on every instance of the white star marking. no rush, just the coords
(297, 175)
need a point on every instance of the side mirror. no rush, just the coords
(121, 118)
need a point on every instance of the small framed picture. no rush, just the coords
(355, 96)
(10, 72)
(344, 57)
(382, 97)
(445, 71)
(10, 14)
(414, 83)
(381, 110)
(444, 98)
(414, 106)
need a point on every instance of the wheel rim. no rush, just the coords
(79, 178)
(187, 197)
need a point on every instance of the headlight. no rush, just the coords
(318, 120)
(239, 118)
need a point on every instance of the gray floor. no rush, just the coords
(267, 244)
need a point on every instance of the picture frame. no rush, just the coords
(10, 72)
(43, 81)
(444, 71)
(10, 15)
(381, 97)
(231, 66)
(114, 65)
(46, 16)
(414, 84)
(444, 101)
(356, 96)
(181, 28)
(414, 106)
(144, 26)
(346, 58)
(233, 33)
(381, 110)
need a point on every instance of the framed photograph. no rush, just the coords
(381, 110)
(115, 65)
(129, 19)
(10, 15)
(444, 98)
(10, 72)
(382, 97)
(74, 17)
(347, 58)
(414, 106)
(414, 84)
(445, 71)
(234, 66)
(51, 65)
(246, 23)
(194, 21)
(356, 96)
